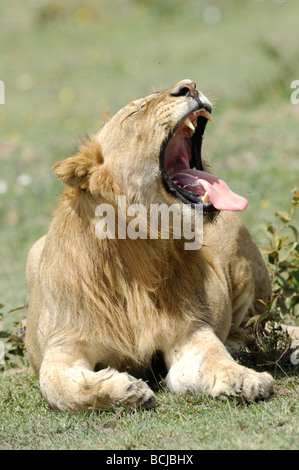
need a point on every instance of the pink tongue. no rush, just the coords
(220, 195)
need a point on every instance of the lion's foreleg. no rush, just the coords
(71, 384)
(201, 363)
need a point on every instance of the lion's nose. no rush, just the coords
(188, 88)
(185, 88)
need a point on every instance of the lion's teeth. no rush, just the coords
(206, 114)
(206, 198)
(189, 124)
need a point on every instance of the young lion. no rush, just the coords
(102, 306)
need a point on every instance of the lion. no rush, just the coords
(104, 310)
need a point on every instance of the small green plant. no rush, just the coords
(272, 345)
(12, 336)
(283, 263)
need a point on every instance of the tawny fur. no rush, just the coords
(110, 305)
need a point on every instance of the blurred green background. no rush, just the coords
(63, 63)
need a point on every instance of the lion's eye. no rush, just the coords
(137, 110)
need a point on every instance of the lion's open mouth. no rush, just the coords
(182, 168)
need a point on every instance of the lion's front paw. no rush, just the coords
(243, 383)
(139, 394)
(134, 392)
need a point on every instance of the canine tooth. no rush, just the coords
(206, 114)
(189, 124)
(206, 198)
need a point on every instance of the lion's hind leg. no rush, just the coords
(72, 385)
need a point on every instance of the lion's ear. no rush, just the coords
(74, 171)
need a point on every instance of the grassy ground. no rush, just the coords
(63, 64)
(178, 422)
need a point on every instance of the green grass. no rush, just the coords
(63, 64)
(178, 422)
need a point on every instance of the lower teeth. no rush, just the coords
(206, 198)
